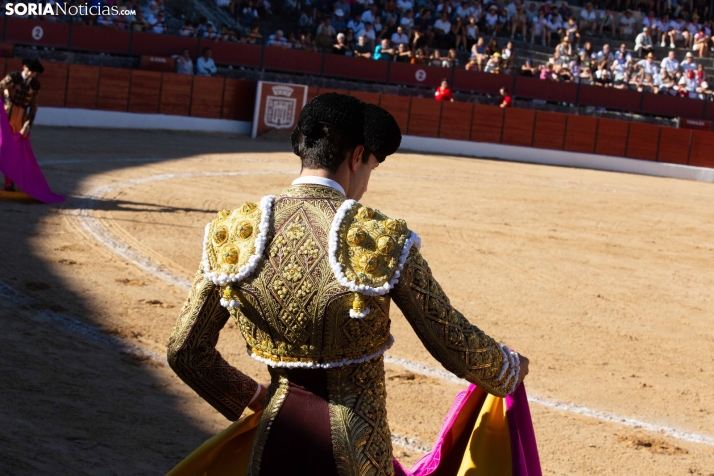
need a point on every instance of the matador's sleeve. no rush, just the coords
(459, 346)
(6, 82)
(32, 109)
(193, 356)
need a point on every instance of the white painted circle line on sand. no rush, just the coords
(106, 238)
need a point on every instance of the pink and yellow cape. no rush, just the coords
(482, 435)
(18, 163)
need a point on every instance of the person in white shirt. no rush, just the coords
(627, 24)
(369, 15)
(647, 66)
(653, 24)
(606, 21)
(670, 66)
(689, 80)
(205, 66)
(643, 43)
(691, 30)
(356, 23)
(539, 27)
(442, 28)
(554, 24)
(404, 5)
(588, 18)
(676, 31)
(688, 63)
(368, 33)
(605, 54)
(491, 20)
(407, 21)
(277, 40)
(184, 63)
(399, 38)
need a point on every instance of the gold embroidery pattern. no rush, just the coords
(295, 294)
(459, 346)
(232, 238)
(277, 393)
(361, 439)
(192, 355)
(369, 245)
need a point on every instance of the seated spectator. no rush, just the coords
(248, 14)
(565, 12)
(575, 67)
(688, 63)
(370, 14)
(565, 49)
(621, 71)
(356, 23)
(325, 35)
(647, 66)
(654, 25)
(689, 81)
(184, 63)
(420, 57)
(211, 33)
(506, 99)
(677, 32)
(539, 27)
(493, 65)
(623, 50)
(451, 60)
(343, 5)
(479, 54)
(205, 66)
(369, 35)
(305, 23)
(338, 20)
(277, 40)
(547, 73)
(670, 67)
(692, 28)
(306, 43)
(340, 48)
(443, 93)
(554, 24)
(572, 32)
(404, 54)
(470, 33)
(362, 49)
(254, 37)
(350, 40)
(606, 21)
(701, 41)
(603, 76)
(519, 23)
(491, 23)
(442, 28)
(627, 24)
(435, 59)
(399, 38)
(407, 21)
(605, 55)
(588, 18)
(187, 29)
(643, 43)
(383, 52)
(701, 74)
(527, 68)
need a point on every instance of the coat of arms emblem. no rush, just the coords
(280, 108)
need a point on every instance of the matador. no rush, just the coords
(309, 276)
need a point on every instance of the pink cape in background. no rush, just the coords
(18, 163)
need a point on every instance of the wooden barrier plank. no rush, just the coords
(114, 86)
(700, 154)
(456, 120)
(549, 130)
(535, 88)
(207, 97)
(293, 61)
(239, 99)
(397, 106)
(238, 54)
(610, 98)
(95, 38)
(15, 64)
(312, 93)
(487, 124)
(355, 68)
(674, 145)
(332, 90)
(53, 82)
(176, 94)
(2, 65)
(145, 91)
(82, 86)
(418, 74)
(664, 105)
(424, 117)
(518, 127)
(144, 43)
(642, 141)
(369, 98)
(36, 32)
(580, 134)
(481, 82)
(611, 137)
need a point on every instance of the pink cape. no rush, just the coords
(18, 163)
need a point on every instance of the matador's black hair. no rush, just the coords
(33, 65)
(331, 125)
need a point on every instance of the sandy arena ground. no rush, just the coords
(604, 280)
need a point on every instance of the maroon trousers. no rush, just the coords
(300, 439)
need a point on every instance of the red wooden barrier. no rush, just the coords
(481, 82)
(53, 82)
(94, 38)
(176, 94)
(114, 89)
(158, 63)
(456, 118)
(144, 91)
(710, 111)
(239, 99)
(144, 43)
(371, 98)
(674, 145)
(355, 68)
(673, 106)
(6, 49)
(2, 66)
(398, 106)
(518, 127)
(700, 154)
(611, 137)
(610, 98)
(237, 54)
(417, 74)
(549, 130)
(534, 88)
(207, 97)
(82, 86)
(487, 124)
(311, 93)
(424, 117)
(642, 141)
(33, 32)
(580, 134)
(280, 59)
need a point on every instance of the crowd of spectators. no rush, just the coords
(622, 69)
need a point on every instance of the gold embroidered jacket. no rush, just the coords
(309, 276)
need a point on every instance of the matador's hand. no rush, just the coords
(524, 369)
(25, 130)
(257, 403)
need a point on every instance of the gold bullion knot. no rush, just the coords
(245, 229)
(220, 235)
(356, 236)
(230, 255)
(247, 208)
(394, 227)
(369, 262)
(365, 213)
(385, 245)
(223, 214)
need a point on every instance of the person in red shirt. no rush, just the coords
(507, 100)
(443, 93)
